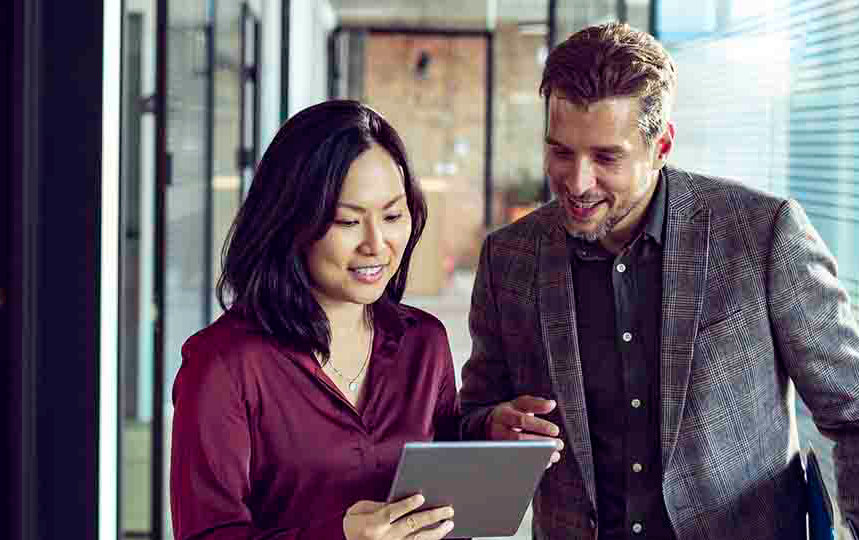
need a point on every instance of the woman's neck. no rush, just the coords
(346, 320)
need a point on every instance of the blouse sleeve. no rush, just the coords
(211, 456)
(447, 415)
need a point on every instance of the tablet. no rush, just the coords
(488, 483)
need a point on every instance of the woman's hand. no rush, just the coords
(369, 520)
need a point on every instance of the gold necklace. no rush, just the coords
(353, 383)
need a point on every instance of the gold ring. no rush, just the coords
(410, 521)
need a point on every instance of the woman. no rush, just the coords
(291, 409)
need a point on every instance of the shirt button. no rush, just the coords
(636, 403)
(627, 337)
(636, 467)
(621, 268)
(637, 527)
(592, 523)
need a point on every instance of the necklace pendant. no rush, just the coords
(353, 386)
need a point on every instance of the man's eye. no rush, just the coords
(606, 158)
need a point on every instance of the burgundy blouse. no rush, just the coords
(266, 446)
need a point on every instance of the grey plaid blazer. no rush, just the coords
(751, 311)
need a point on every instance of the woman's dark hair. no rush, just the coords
(290, 205)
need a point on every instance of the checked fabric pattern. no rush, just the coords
(752, 313)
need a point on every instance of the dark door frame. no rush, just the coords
(53, 233)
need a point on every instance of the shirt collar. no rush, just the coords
(391, 320)
(655, 217)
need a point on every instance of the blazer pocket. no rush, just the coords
(718, 321)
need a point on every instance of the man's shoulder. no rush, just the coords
(526, 231)
(721, 195)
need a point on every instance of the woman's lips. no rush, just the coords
(368, 274)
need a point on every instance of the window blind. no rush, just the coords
(773, 101)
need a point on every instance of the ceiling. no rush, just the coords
(473, 13)
(462, 13)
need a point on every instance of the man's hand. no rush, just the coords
(371, 520)
(517, 421)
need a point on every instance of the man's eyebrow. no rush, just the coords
(614, 149)
(552, 142)
(610, 149)
(359, 208)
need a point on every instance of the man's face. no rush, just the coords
(600, 168)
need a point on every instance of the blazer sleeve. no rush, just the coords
(818, 340)
(486, 379)
(211, 457)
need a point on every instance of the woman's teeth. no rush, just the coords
(368, 270)
(582, 204)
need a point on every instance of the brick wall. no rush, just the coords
(441, 116)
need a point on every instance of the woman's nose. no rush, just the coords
(373, 238)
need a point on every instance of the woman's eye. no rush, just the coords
(393, 217)
(345, 222)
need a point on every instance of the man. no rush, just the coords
(658, 323)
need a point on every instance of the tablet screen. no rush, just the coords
(488, 483)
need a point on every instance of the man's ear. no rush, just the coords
(664, 145)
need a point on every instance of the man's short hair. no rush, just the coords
(614, 60)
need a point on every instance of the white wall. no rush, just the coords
(310, 22)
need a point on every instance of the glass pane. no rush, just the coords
(250, 82)
(519, 119)
(573, 15)
(187, 297)
(432, 88)
(226, 180)
(137, 187)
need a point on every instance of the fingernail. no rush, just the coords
(419, 499)
(449, 525)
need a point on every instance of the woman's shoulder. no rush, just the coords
(229, 335)
(231, 342)
(422, 322)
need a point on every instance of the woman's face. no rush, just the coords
(362, 249)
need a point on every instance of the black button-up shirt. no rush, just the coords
(618, 316)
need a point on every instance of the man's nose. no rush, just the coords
(580, 178)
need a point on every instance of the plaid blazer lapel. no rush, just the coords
(556, 306)
(684, 273)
